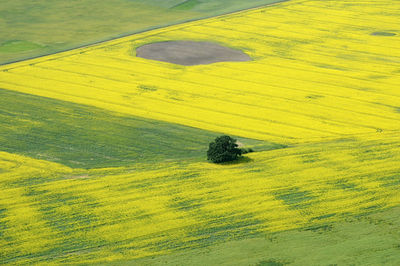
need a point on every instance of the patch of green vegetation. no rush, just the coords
(314, 96)
(373, 153)
(347, 185)
(391, 180)
(2, 221)
(294, 197)
(225, 229)
(60, 25)
(54, 207)
(367, 240)
(383, 33)
(264, 146)
(329, 66)
(320, 228)
(378, 76)
(50, 209)
(326, 216)
(310, 158)
(145, 88)
(181, 204)
(88, 137)
(18, 46)
(270, 262)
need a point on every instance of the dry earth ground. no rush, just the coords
(189, 53)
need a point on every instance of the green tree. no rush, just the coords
(223, 149)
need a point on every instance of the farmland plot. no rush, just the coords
(30, 29)
(87, 137)
(58, 214)
(323, 82)
(313, 76)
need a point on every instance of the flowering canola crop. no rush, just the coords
(324, 79)
(318, 72)
(102, 215)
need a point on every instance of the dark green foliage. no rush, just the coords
(244, 151)
(270, 263)
(223, 149)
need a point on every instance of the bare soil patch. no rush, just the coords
(189, 53)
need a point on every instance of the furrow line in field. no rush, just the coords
(312, 64)
(274, 20)
(292, 66)
(150, 98)
(95, 100)
(321, 83)
(378, 83)
(239, 92)
(334, 122)
(325, 84)
(356, 10)
(305, 90)
(259, 119)
(358, 136)
(279, 33)
(321, 13)
(315, 17)
(232, 67)
(309, 50)
(303, 49)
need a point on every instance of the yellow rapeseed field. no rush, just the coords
(316, 74)
(324, 80)
(124, 213)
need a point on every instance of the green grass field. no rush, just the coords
(30, 29)
(367, 240)
(88, 137)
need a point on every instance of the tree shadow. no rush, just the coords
(239, 160)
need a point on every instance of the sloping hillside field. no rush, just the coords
(102, 152)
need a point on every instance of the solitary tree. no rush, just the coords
(223, 149)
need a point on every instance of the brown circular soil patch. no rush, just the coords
(189, 53)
